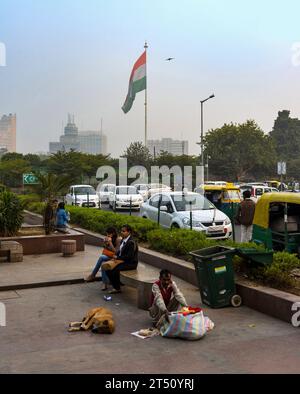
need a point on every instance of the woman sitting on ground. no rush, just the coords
(112, 245)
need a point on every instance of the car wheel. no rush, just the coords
(174, 226)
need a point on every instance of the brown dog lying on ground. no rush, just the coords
(99, 320)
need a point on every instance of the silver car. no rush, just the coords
(178, 209)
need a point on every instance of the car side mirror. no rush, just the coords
(163, 208)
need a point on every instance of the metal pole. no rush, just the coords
(232, 221)
(130, 206)
(146, 47)
(158, 213)
(191, 216)
(202, 158)
(88, 199)
(286, 237)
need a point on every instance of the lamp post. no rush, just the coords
(201, 142)
(206, 165)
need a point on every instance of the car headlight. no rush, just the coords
(227, 222)
(186, 221)
(195, 223)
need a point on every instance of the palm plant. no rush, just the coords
(51, 185)
(11, 214)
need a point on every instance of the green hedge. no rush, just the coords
(179, 242)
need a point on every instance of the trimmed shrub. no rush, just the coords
(179, 242)
(11, 217)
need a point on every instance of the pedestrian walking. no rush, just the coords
(245, 216)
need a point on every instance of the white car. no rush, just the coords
(177, 208)
(104, 191)
(82, 196)
(124, 197)
(143, 190)
(158, 188)
(256, 190)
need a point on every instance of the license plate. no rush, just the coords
(215, 229)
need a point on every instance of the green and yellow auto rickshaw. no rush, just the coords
(224, 197)
(276, 222)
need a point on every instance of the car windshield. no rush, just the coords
(107, 188)
(197, 202)
(157, 186)
(126, 190)
(231, 195)
(84, 190)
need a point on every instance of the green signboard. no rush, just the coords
(30, 179)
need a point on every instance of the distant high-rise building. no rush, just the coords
(8, 127)
(174, 147)
(93, 142)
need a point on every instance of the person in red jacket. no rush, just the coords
(166, 297)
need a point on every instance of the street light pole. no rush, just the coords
(201, 143)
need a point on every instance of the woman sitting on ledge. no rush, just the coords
(111, 246)
(61, 218)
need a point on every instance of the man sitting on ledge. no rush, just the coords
(127, 259)
(166, 297)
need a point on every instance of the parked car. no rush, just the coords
(104, 191)
(82, 196)
(124, 196)
(176, 209)
(256, 190)
(158, 188)
(143, 190)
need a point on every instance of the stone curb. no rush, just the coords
(269, 301)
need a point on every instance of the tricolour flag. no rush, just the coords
(137, 82)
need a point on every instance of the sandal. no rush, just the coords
(90, 278)
(105, 288)
(115, 291)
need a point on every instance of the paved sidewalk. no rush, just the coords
(49, 268)
(36, 340)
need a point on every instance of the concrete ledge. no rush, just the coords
(41, 284)
(269, 301)
(42, 244)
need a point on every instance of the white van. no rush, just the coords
(82, 196)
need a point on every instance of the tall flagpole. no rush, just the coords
(146, 47)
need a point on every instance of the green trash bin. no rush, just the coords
(215, 276)
(255, 257)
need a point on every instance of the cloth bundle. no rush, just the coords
(185, 325)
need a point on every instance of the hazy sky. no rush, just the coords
(75, 56)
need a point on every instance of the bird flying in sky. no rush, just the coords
(169, 59)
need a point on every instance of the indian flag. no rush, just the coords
(137, 82)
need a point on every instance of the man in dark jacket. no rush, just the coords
(245, 216)
(127, 255)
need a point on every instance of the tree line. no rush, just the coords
(234, 152)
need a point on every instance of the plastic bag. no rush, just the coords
(191, 326)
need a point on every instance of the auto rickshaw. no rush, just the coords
(273, 183)
(224, 197)
(276, 222)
